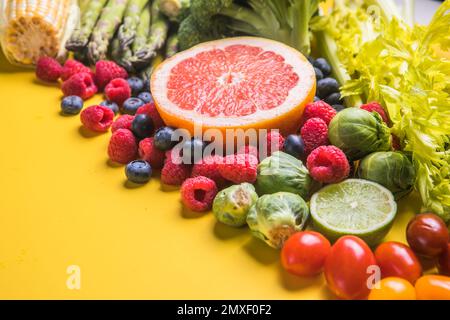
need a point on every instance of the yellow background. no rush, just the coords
(62, 204)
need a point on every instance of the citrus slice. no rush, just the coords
(242, 82)
(354, 207)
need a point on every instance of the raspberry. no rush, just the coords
(248, 150)
(314, 134)
(151, 154)
(118, 90)
(209, 167)
(97, 118)
(152, 112)
(328, 164)
(48, 69)
(174, 173)
(72, 67)
(239, 168)
(122, 146)
(122, 122)
(106, 71)
(275, 142)
(198, 193)
(319, 109)
(376, 107)
(81, 85)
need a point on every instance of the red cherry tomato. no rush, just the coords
(347, 268)
(304, 253)
(444, 262)
(427, 235)
(397, 260)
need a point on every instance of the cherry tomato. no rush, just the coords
(444, 262)
(304, 253)
(393, 288)
(397, 260)
(427, 235)
(347, 268)
(433, 288)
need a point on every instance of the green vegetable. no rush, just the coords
(341, 34)
(402, 71)
(105, 29)
(275, 217)
(283, 20)
(90, 14)
(127, 30)
(393, 170)
(159, 29)
(232, 204)
(359, 132)
(283, 172)
(175, 10)
(171, 45)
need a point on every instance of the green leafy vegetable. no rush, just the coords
(401, 70)
(283, 20)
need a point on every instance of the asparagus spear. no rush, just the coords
(127, 30)
(171, 45)
(158, 33)
(89, 17)
(105, 29)
(154, 62)
(142, 34)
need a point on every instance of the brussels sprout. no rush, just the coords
(283, 172)
(275, 217)
(393, 170)
(359, 132)
(232, 204)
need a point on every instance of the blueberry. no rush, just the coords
(323, 65)
(163, 139)
(193, 150)
(311, 59)
(136, 85)
(338, 107)
(319, 74)
(131, 105)
(294, 146)
(327, 86)
(142, 126)
(110, 105)
(146, 97)
(316, 98)
(71, 105)
(138, 171)
(334, 98)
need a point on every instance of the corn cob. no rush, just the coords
(89, 17)
(35, 28)
(127, 30)
(158, 34)
(104, 30)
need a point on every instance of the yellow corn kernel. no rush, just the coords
(35, 28)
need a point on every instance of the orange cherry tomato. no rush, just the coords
(347, 268)
(433, 287)
(397, 260)
(304, 253)
(393, 288)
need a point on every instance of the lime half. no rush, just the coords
(354, 207)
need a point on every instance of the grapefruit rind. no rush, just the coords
(285, 117)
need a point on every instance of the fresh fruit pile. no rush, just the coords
(336, 167)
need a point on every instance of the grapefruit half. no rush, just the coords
(243, 82)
